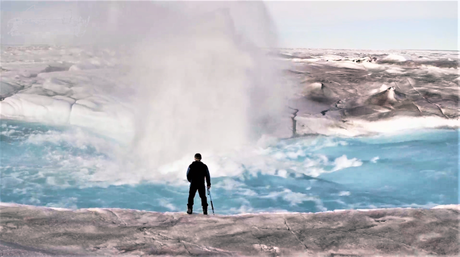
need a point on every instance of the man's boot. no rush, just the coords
(189, 209)
(205, 210)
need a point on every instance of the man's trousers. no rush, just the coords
(201, 191)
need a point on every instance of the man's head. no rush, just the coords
(198, 157)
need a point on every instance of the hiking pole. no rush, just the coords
(210, 198)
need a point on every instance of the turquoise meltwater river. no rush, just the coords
(61, 167)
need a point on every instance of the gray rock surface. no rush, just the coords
(40, 231)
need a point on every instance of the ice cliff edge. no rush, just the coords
(40, 231)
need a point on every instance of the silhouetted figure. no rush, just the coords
(196, 174)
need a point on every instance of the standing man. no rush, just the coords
(196, 174)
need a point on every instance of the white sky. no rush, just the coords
(366, 24)
(351, 24)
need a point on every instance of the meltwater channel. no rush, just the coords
(61, 167)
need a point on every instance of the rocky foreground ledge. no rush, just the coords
(39, 231)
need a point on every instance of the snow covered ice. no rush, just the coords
(102, 232)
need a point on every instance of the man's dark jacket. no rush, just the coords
(197, 173)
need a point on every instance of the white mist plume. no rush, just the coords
(198, 72)
(202, 80)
